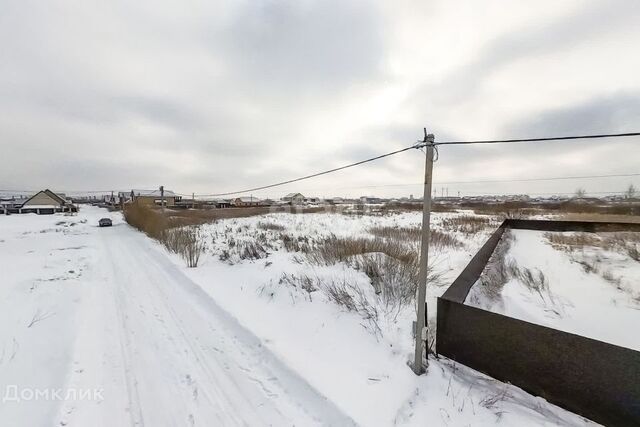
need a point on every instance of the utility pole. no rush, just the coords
(193, 200)
(424, 258)
(162, 197)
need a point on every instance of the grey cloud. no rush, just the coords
(536, 39)
(612, 114)
(301, 47)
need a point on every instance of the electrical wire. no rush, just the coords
(553, 138)
(418, 145)
(264, 187)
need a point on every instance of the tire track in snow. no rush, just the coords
(196, 364)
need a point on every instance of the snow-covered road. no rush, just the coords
(161, 351)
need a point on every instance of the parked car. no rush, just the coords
(105, 222)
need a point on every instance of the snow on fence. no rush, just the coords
(592, 378)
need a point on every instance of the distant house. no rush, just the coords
(246, 201)
(222, 203)
(367, 200)
(44, 202)
(8, 204)
(151, 197)
(294, 198)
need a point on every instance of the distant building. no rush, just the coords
(246, 201)
(150, 198)
(367, 200)
(44, 202)
(294, 198)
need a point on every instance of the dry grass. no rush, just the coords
(417, 206)
(437, 239)
(598, 217)
(576, 240)
(500, 269)
(521, 209)
(270, 226)
(467, 224)
(185, 241)
(204, 216)
(145, 219)
(622, 242)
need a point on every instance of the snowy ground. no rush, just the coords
(111, 312)
(584, 283)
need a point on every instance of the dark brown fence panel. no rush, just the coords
(592, 378)
(597, 380)
(586, 226)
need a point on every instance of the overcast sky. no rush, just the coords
(212, 96)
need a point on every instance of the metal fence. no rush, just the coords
(597, 380)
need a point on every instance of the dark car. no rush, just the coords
(105, 222)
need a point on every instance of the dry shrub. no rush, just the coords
(417, 206)
(622, 242)
(185, 241)
(498, 270)
(347, 295)
(352, 298)
(251, 250)
(437, 238)
(391, 265)
(334, 249)
(501, 268)
(303, 282)
(536, 282)
(270, 226)
(146, 219)
(295, 244)
(573, 240)
(467, 224)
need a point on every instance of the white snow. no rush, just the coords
(109, 309)
(599, 304)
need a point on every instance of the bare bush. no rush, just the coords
(301, 281)
(467, 224)
(574, 240)
(633, 252)
(534, 281)
(353, 298)
(334, 249)
(186, 242)
(270, 226)
(251, 251)
(437, 238)
(145, 219)
(295, 244)
(611, 278)
(498, 270)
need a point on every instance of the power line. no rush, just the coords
(553, 138)
(264, 187)
(541, 179)
(484, 181)
(552, 193)
(419, 145)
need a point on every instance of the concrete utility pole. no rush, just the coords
(162, 197)
(418, 367)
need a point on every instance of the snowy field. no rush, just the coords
(269, 329)
(583, 283)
